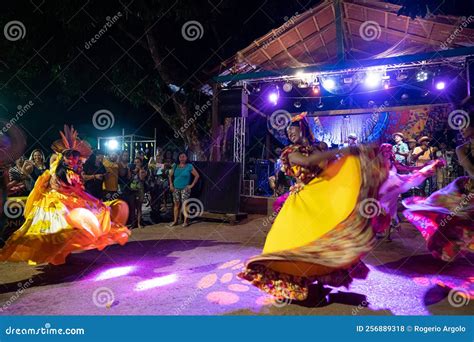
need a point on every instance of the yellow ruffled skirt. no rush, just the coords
(319, 233)
(57, 224)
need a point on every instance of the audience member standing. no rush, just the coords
(20, 181)
(39, 164)
(111, 179)
(138, 187)
(93, 174)
(125, 178)
(181, 185)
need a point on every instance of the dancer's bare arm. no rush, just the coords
(314, 159)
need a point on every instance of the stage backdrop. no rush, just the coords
(379, 126)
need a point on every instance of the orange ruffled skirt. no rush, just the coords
(57, 224)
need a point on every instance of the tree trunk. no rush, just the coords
(187, 130)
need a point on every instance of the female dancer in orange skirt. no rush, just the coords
(319, 233)
(60, 217)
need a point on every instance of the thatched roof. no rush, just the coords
(372, 29)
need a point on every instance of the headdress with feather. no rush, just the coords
(302, 121)
(70, 141)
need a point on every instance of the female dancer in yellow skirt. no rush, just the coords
(319, 233)
(60, 217)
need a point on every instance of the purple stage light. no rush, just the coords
(372, 80)
(115, 272)
(273, 98)
(156, 282)
(440, 85)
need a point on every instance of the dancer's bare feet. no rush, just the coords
(172, 224)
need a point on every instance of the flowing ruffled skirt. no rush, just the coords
(445, 219)
(320, 233)
(57, 224)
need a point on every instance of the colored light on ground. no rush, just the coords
(156, 282)
(115, 272)
(207, 281)
(222, 298)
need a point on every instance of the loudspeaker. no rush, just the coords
(220, 186)
(232, 103)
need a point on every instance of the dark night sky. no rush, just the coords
(68, 83)
(228, 27)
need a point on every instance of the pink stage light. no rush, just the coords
(115, 272)
(156, 282)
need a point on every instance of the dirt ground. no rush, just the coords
(192, 271)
